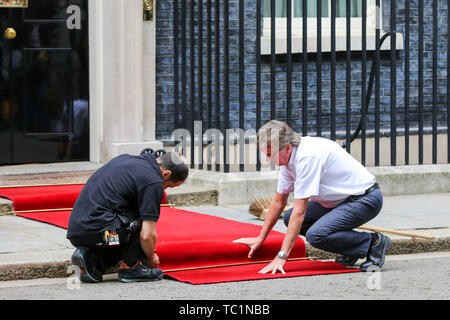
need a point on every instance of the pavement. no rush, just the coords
(31, 250)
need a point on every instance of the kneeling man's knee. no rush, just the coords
(315, 237)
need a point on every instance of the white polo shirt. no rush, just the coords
(322, 170)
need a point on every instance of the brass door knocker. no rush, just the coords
(148, 10)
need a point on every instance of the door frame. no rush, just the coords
(121, 43)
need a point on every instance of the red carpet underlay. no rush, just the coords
(186, 240)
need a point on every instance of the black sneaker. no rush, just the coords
(139, 273)
(87, 263)
(346, 261)
(377, 253)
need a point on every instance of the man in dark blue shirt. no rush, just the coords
(114, 218)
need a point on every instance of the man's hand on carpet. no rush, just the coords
(253, 243)
(276, 265)
(155, 260)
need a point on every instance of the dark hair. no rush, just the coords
(175, 163)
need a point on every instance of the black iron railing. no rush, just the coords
(223, 79)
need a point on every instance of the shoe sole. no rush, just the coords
(78, 260)
(139, 280)
(347, 264)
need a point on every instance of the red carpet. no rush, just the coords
(48, 197)
(250, 272)
(42, 198)
(185, 239)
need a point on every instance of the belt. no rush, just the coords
(98, 239)
(374, 187)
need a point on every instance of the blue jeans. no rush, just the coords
(332, 229)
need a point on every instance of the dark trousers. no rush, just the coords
(332, 229)
(109, 256)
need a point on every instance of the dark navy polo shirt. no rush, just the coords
(126, 185)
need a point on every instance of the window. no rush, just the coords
(297, 14)
(281, 8)
(341, 26)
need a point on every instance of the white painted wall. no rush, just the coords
(122, 79)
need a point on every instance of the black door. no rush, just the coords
(44, 82)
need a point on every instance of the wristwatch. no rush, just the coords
(282, 255)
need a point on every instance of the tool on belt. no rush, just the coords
(110, 237)
(122, 235)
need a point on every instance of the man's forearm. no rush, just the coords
(148, 245)
(293, 230)
(295, 224)
(271, 219)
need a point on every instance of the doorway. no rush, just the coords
(44, 82)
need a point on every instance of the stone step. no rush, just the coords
(79, 173)
(190, 195)
(43, 174)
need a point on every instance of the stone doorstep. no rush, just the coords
(53, 173)
(61, 269)
(32, 175)
(196, 198)
(199, 197)
(45, 179)
(79, 173)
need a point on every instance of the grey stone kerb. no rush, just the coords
(244, 187)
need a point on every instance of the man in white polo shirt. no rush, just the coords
(333, 194)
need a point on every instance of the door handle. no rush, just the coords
(10, 33)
